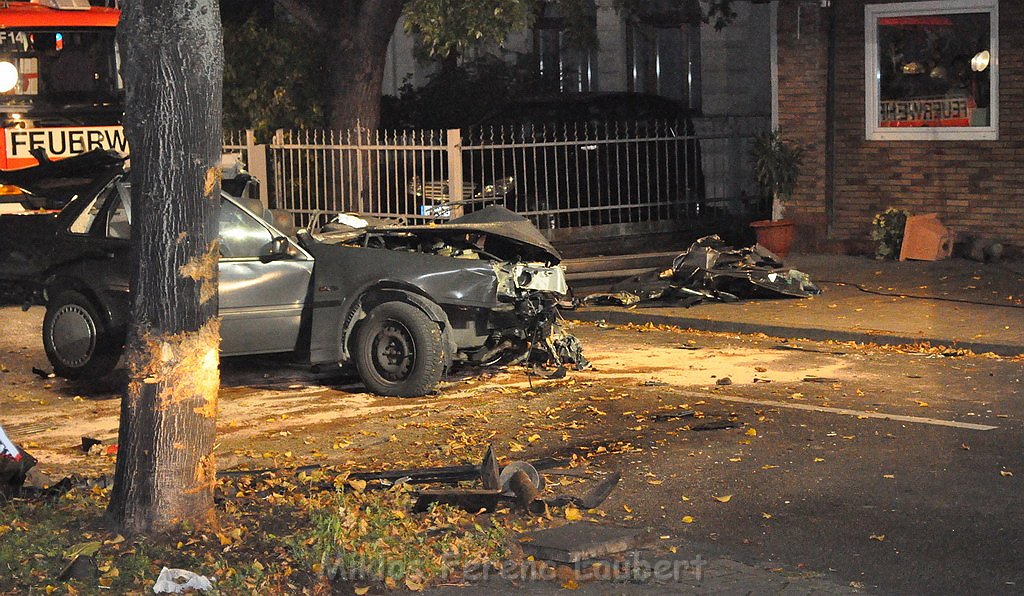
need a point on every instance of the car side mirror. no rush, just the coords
(276, 250)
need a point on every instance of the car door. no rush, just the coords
(261, 295)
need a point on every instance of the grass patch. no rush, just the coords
(366, 537)
(275, 534)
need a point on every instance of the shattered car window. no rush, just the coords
(83, 223)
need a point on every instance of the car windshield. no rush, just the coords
(59, 69)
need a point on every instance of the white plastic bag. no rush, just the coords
(176, 581)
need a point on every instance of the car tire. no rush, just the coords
(78, 340)
(399, 351)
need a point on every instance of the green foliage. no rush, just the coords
(776, 167)
(445, 27)
(462, 95)
(275, 76)
(887, 231)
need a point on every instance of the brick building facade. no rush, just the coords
(976, 186)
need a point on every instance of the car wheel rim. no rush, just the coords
(73, 335)
(393, 352)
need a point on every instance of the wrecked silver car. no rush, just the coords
(402, 304)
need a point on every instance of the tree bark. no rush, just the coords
(357, 76)
(172, 65)
(359, 32)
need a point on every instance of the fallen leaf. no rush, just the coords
(357, 485)
(361, 590)
(1005, 473)
(965, 446)
(723, 498)
(878, 537)
(819, 459)
(573, 514)
(766, 515)
(687, 519)
(751, 432)
(413, 583)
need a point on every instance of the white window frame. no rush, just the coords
(872, 77)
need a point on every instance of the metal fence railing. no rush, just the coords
(360, 171)
(561, 176)
(238, 142)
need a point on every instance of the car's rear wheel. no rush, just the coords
(399, 351)
(78, 341)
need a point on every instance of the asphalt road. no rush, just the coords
(884, 471)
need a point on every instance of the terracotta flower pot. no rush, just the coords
(775, 235)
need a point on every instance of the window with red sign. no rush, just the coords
(932, 70)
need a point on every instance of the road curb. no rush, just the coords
(617, 316)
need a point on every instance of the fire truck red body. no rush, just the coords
(60, 92)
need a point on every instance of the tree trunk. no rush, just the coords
(173, 60)
(362, 31)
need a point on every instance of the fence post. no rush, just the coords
(454, 151)
(257, 165)
(360, 168)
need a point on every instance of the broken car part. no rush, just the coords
(505, 478)
(711, 270)
(526, 493)
(592, 498)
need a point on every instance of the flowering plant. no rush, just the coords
(887, 231)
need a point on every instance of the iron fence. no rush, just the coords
(559, 175)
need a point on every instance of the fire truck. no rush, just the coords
(60, 91)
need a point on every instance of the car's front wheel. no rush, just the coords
(78, 341)
(399, 351)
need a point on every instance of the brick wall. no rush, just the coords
(975, 186)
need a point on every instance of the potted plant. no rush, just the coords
(776, 166)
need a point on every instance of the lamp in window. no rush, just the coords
(8, 76)
(981, 60)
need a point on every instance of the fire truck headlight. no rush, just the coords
(8, 76)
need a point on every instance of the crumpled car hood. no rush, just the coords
(63, 179)
(509, 235)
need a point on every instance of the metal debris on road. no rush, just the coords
(711, 270)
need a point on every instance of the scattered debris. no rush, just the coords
(712, 270)
(724, 381)
(666, 416)
(180, 581)
(592, 498)
(526, 493)
(811, 350)
(827, 380)
(581, 541)
(714, 425)
(14, 467)
(88, 443)
(45, 374)
(505, 478)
